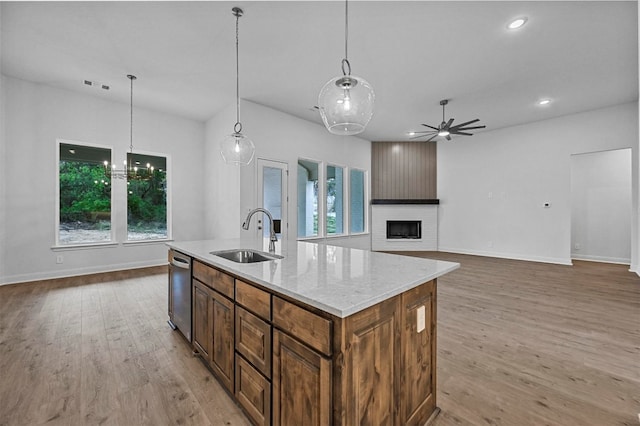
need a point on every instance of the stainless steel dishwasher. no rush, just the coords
(180, 293)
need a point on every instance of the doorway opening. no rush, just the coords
(601, 206)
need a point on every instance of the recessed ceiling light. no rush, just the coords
(517, 23)
(544, 101)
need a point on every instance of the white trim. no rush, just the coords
(146, 242)
(554, 260)
(24, 278)
(56, 206)
(87, 246)
(603, 259)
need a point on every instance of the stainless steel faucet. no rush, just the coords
(272, 234)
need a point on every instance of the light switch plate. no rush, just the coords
(421, 319)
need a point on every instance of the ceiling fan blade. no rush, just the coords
(448, 137)
(448, 125)
(429, 140)
(462, 133)
(468, 122)
(431, 127)
(469, 128)
(426, 131)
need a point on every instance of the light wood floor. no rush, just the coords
(518, 344)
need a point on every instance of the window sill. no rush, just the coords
(85, 246)
(144, 242)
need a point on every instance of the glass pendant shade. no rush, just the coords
(346, 104)
(237, 149)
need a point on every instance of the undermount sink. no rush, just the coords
(246, 255)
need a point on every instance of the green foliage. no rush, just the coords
(147, 203)
(85, 192)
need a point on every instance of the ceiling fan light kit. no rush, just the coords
(346, 102)
(446, 128)
(236, 148)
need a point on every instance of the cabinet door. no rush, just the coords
(202, 319)
(222, 351)
(301, 384)
(253, 340)
(372, 365)
(418, 354)
(253, 392)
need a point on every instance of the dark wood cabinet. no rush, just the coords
(301, 384)
(418, 365)
(288, 363)
(222, 355)
(253, 340)
(202, 313)
(372, 365)
(253, 392)
(213, 331)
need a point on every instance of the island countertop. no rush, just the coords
(338, 280)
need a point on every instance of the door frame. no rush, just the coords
(284, 166)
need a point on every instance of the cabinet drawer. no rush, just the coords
(214, 278)
(308, 327)
(253, 392)
(253, 340)
(254, 299)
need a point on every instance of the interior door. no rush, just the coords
(272, 195)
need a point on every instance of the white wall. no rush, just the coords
(601, 206)
(35, 116)
(277, 136)
(492, 186)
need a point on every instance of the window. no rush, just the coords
(357, 201)
(84, 194)
(335, 200)
(307, 187)
(147, 198)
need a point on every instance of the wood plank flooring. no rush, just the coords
(519, 343)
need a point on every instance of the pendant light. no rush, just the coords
(129, 171)
(237, 148)
(346, 101)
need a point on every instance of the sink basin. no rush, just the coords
(246, 255)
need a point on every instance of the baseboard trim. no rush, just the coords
(116, 270)
(587, 258)
(540, 259)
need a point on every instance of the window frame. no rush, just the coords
(321, 205)
(345, 200)
(365, 201)
(112, 236)
(169, 197)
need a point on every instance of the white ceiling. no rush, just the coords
(581, 54)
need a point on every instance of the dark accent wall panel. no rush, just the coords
(403, 170)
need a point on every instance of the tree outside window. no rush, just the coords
(147, 198)
(84, 196)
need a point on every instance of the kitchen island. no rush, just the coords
(325, 335)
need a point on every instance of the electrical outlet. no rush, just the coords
(59, 259)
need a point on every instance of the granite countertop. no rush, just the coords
(337, 280)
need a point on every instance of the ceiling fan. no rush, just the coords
(445, 129)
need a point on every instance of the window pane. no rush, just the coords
(85, 195)
(357, 206)
(147, 197)
(307, 198)
(335, 200)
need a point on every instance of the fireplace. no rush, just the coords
(404, 229)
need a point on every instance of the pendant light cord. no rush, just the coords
(345, 61)
(238, 126)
